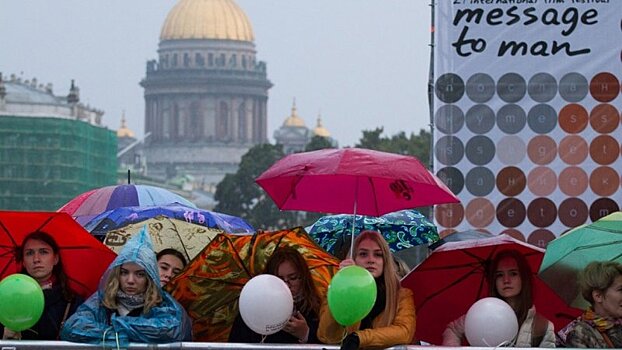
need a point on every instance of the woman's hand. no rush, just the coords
(346, 262)
(297, 326)
(9, 334)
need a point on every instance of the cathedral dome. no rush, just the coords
(294, 119)
(124, 131)
(320, 130)
(207, 19)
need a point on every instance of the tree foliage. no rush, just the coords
(317, 143)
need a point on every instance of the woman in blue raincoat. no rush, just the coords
(129, 305)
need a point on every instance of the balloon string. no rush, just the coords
(263, 338)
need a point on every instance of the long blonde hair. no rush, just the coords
(152, 294)
(391, 282)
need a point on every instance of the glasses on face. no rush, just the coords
(290, 278)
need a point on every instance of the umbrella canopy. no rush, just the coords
(453, 277)
(209, 287)
(352, 181)
(88, 205)
(186, 237)
(570, 253)
(460, 236)
(401, 229)
(123, 216)
(84, 258)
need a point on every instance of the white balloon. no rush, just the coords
(490, 322)
(266, 304)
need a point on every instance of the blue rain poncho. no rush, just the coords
(93, 323)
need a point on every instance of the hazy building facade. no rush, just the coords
(52, 148)
(206, 94)
(294, 135)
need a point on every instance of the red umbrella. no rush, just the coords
(84, 258)
(453, 277)
(352, 181)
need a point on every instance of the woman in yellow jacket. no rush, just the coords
(392, 319)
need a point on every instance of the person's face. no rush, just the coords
(608, 303)
(133, 278)
(39, 259)
(369, 256)
(287, 272)
(169, 266)
(507, 278)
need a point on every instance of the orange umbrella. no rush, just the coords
(209, 287)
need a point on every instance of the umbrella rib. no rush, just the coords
(47, 221)
(373, 189)
(459, 280)
(8, 233)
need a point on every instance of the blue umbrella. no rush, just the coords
(123, 216)
(402, 230)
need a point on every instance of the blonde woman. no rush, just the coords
(130, 305)
(391, 320)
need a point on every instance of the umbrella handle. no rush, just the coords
(356, 190)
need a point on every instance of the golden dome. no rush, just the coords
(294, 119)
(207, 19)
(124, 131)
(320, 130)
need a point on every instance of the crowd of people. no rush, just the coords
(131, 306)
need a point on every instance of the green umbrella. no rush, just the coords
(570, 253)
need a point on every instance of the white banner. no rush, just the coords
(527, 114)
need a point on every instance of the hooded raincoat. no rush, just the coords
(93, 323)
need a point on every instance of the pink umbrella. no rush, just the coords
(352, 181)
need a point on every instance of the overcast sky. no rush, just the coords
(360, 63)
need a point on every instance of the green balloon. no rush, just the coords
(351, 295)
(21, 302)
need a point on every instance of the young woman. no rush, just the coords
(392, 319)
(40, 259)
(170, 264)
(289, 265)
(600, 326)
(130, 305)
(510, 279)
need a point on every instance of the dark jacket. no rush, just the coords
(49, 325)
(241, 333)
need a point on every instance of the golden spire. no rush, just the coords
(294, 119)
(124, 131)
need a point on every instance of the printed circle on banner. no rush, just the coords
(542, 149)
(449, 150)
(573, 181)
(604, 87)
(480, 181)
(604, 118)
(604, 149)
(542, 87)
(449, 88)
(449, 215)
(573, 149)
(511, 181)
(511, 87)
(602, 207)
(514, 234)
(480, 150)
(480, 119)
(542, 212)
(511, 149)
(604, 181)
(511, 119)
(573, 118)
(573, 87)
(540, 238)
(446, 232)
(449, 119)
(452, 177)
(542, 119)
(480, 212)
(511, 212)
(542, 181)
(480, 87)
(573, 212)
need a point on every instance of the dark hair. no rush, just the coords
(309, 299)
(57, 270)
(173, 252)
(524, 298)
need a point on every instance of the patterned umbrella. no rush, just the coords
(209, 287)
(88, 205)
(401, 229)
(119, 217)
